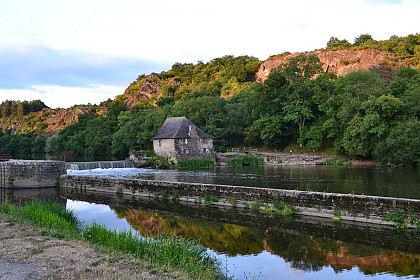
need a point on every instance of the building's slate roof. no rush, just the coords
(178, 128)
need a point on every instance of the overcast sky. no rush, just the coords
(86, 51)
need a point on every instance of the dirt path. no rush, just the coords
(26, 254)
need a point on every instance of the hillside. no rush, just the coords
(340, 62)
(317, 100)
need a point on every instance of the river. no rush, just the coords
(256, 247)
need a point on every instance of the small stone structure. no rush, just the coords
(357, 208)
(31, 173)
(180, 139)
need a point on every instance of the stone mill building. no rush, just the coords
(180, 139)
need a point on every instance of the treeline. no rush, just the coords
(224, 77)
(11, 108)
(357, 115)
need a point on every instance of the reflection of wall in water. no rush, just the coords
(29, 194)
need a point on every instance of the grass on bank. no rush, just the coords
(196, 163)
(246, 160)
(165, 252)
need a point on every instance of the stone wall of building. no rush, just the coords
(31, 173)
(165, 148)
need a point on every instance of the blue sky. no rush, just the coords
(86, 51)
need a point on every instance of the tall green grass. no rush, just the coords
(246, 160)
(169, 252)
(195, 163)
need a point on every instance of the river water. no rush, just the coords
(392, 182)
(258, 247)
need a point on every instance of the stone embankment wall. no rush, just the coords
(274, 158)
(359, 208)
(31, 173)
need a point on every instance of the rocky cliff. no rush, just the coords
(340, 62)
(48, 121)
(145, 90)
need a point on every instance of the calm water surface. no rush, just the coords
(271, 249)
(397, 182)
(267, 251)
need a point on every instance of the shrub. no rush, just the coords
(196, 163)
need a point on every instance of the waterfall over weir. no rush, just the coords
(99, 164)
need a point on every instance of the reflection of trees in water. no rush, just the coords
(305, 266)
(304, 252)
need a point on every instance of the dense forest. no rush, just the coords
(359, 115)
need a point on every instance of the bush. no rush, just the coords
(402, 146)
(246, 160)
(196, 163)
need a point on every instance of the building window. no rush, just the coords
(205, 151)
(160, 143)
(184, 151)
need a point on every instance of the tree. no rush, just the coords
(402, 146)
(299, 93)
(332, 41)
(362, 39)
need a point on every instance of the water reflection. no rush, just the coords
(274, 249)
(24, 195)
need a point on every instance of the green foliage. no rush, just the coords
(196, 163)
(246, 160)
(401, 146)
(353, 116)
(23, 146)
(164, 251)
(11, 108)
(255, 206)
(119, 192)
(209, 199)
(405, 48)
(157, 162)
(233, 201)
(284, 209)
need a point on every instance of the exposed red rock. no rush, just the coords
(340, 62)
(149, 88)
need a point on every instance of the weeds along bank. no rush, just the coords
(358, 208)
(164, 253)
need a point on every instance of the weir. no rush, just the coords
(361, 209)
(99, 164)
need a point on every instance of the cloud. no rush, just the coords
(63, 96)
(23, 66)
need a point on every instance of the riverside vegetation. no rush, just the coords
(165, 252)
(364, 114)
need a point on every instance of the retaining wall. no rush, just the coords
(31, 173)
(348, 206)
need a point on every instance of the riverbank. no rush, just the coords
(27, 253)
(44, 240)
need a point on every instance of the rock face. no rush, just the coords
(340, 62)
(149, 88)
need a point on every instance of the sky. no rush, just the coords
(86, 51)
